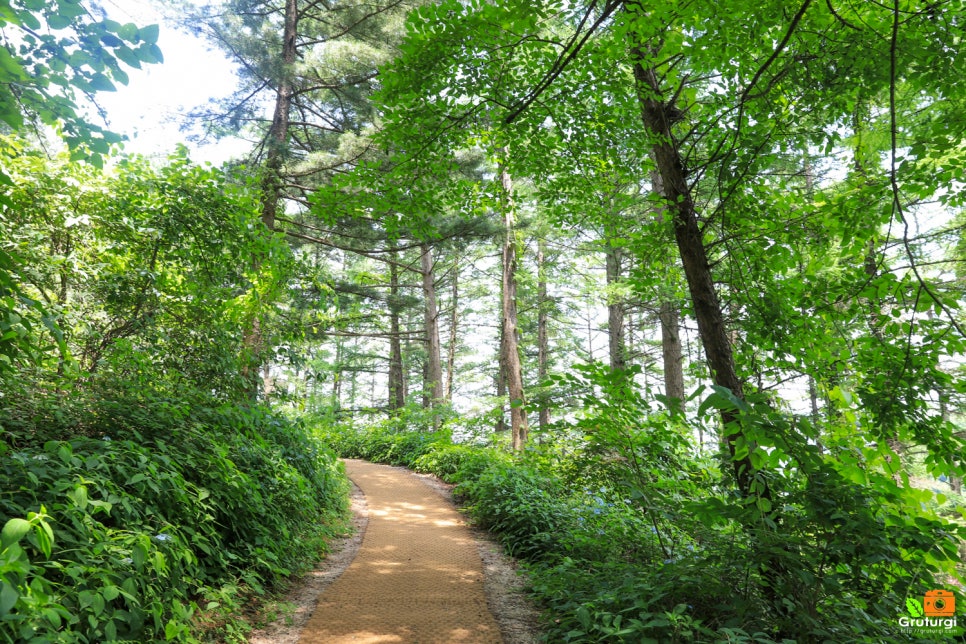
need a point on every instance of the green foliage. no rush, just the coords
(60, 51)
(526, 509)
(145, 270)
(455, 463)
(632, 537)
(381, 445)
(152, 523)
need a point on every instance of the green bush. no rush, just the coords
(151, 528)
(382, 445)
(458, 463)
(527, 510)
(627, 538)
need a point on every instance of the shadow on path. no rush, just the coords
(417, 578)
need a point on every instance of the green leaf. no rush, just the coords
(13, 531)
(79, 496)
(8, 598)
(71, 8)
(171, 630)
(58, 22)
(148, 54)
(97, 604)
(120, 76)
(45, 538)
(914, 606)
(101, 83)
(139, 555)
(149, 34)
(128, 32)
(110, 40)
(128, 57)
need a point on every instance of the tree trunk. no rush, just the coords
(500, 379)
(453, 324)
(812, 385)
(543, 348)
(672, 354)
(434, 370)
(656, 115)
(353, 375)
(510, 344)
(337, 376)
(271, 185)
(397, 383)
(277, 142)
(615, 307)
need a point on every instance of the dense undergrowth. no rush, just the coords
(152, 517)
(628, 537)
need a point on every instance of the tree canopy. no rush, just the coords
(674, 291)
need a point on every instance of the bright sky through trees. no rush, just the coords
(151, 110)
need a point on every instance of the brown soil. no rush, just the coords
(414, 573)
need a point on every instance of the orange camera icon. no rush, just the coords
(939, 603)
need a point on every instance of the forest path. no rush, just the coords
(418, 577)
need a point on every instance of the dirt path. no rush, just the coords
(417, 578)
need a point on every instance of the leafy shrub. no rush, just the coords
(381, 445)
(458, 463)
(154, 526)
(630, 538)
(525, 509)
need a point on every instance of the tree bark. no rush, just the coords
(337, 376)
(501, 376)
(672, 353)
(511, 344)
(277, 140)
(543, 343)
(615, 307)
(434, 370)
(271, 183)
(656, 114)
(397, 383)
(453, 336)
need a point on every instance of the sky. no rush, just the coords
(151, 109)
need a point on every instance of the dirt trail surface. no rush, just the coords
(417, 578)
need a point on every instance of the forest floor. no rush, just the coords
(412, 573)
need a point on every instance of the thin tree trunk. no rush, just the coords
(434, 370)
(397, 386)
(615, 307)
(543, 348)
(277, 143)
(629, 340)
(672, 354)
(453, 322)
(511, 346)
(812, 385)
(337, 376)
(656, 115)
(501, 425)
(268, 383)
(271, 185)
(353, 379)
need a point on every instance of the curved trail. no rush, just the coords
(417, 578)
